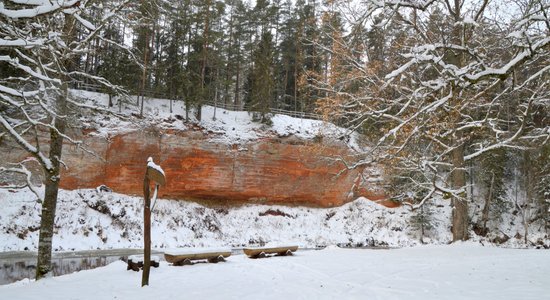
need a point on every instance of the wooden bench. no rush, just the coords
(187, 256)
(261, 252)
(135, 262)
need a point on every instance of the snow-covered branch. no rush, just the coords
(44, 161)
(505, 70)
(41, 7)
(21, 169)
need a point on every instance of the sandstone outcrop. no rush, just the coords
(275, 170)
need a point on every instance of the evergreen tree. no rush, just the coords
(261, 82)
(308, 63)
(287, 67)
(422, 220)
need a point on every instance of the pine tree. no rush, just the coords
(287, 69)
(261, 80)
(423, 220)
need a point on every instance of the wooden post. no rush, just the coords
(156, 174)
(146, 232)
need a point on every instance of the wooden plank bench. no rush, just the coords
(187, 256)
(135, 262)
(261, 252)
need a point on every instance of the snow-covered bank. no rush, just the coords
(89, 219)
(231, 127)
(459, 271)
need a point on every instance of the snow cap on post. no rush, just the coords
(155, 172)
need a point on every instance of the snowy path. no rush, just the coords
(464, 271)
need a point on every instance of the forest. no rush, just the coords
(453, 96)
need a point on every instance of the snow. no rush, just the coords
(89, 220)
(195, 250)
(137, 258)
(521, 56)
(271, 245)
(228, 127)
(21, 42)
(42, 7)
(151, 164)
(458, 271)
(28, 147)
(85, 22)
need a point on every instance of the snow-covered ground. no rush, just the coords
(458, 271)
(91, 219)
(231, 127)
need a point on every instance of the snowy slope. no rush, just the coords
(458, 271)
(231, 127)
(88, 219)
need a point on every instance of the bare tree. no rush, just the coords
(458, 79)
(41, 43)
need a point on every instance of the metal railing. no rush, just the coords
(227, 106)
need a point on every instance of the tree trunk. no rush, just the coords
(459, 202)
(205, 45)
(237, 77)
(146, 232)
(228, 68)
(144, 74)
(458, 174)
(47, 220)
(528, 195)
(485, 213)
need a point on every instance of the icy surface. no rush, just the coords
(458, 271)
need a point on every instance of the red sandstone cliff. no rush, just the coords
(271, 170)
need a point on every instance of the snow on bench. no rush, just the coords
(191, 251)
(185, 256)
(259, 252)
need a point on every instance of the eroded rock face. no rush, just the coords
(278, 170)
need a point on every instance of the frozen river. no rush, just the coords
(17, 265)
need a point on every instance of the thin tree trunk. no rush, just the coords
(47, 220)
(485, 213)
(528, 194)
(144, 74)
(204, 60)
(237, 77)
(215, 96)
(228, 68)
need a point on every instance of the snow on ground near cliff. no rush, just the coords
(232, 127)
(459, 271)
(88, 219)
